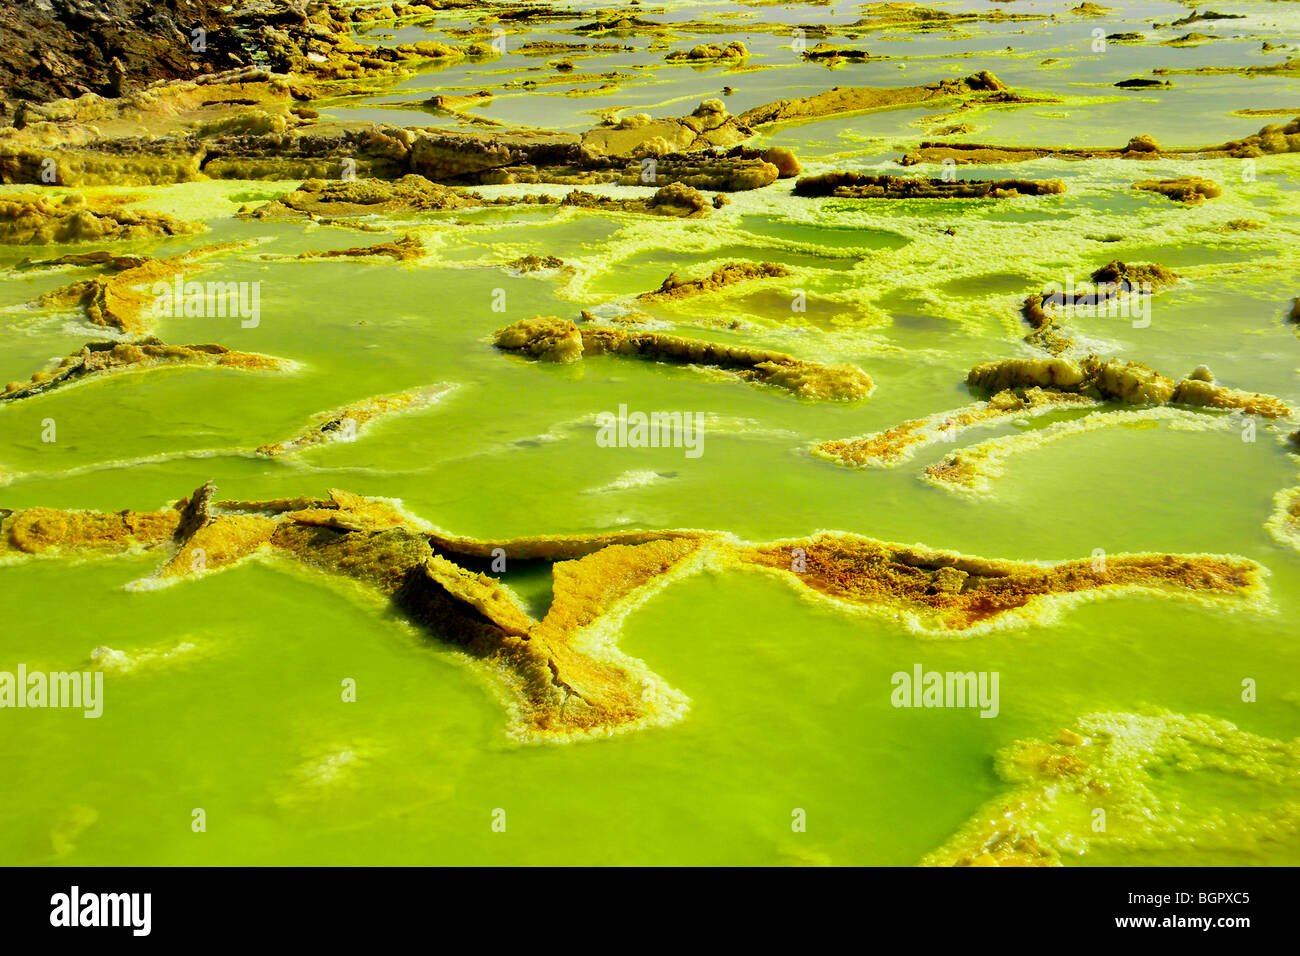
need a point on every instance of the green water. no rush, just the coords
(235, 705)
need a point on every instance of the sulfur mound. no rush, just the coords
(680, 200)
(481, 593)
(534, 263)
(1186, 189)
(119, 300)
(35, 219)
(920, 17)
(37, 531)
(709, 126)
(1191, 391)
(543, 337)
(403, 250)
(1053, 373)
(847, 185)
(735, 50)
(1130, 382)
(1133, 275)
(410, 193)
(919, 583)
(217, 542)
(562, 341)
(674, 287)
(561, 690)
(842, 100)
(675, 199)
(1115, 380)
(834, 55)
(102, 358)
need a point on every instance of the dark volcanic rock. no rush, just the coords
(64, 48)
